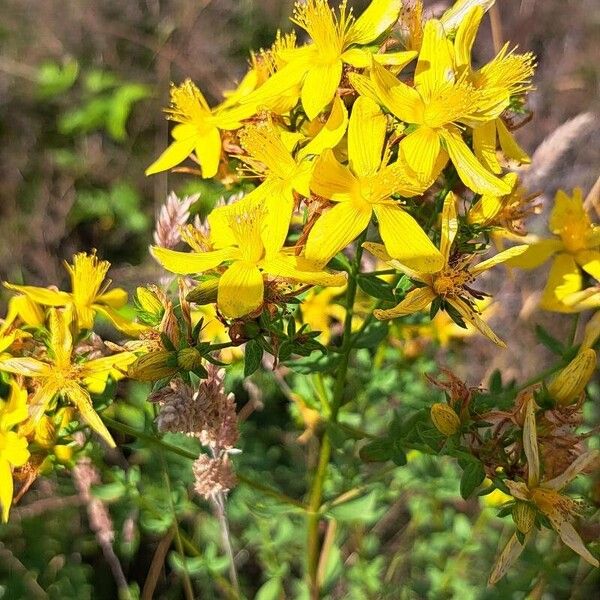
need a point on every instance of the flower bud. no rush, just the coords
(63, 453)
(523, 515)
(154, 366)
(189, 359)
(568, 384)
(204, 293)
(149, 301)
(445, 419)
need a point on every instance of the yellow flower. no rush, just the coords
(23, 309)
(241, 285)
(508, 75)
(365, 187)
(450, 283)
(316, 69)
(88, 294)
(576, 246)
(545, 497)
(13, 446)
(318, 309)
(61, 375)
(432, 108)
(198, 129)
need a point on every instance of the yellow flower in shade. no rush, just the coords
(507, 76)
(432, 108)
(318, 310)
(89, 294)
(61, 374)
(364, 188)
(546, 498)
(242, 283)
(198, 129)
(316, 69)
(576, 246)
(451, 283)
(13, 446)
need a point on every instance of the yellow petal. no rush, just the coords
(331, 179)
(465, 36)
(320, 86)
(453, 17)
(264, 143)
(39, 402)
(488, 207)
(80, 397)
(567, 210)
(6, 488)
(415, 301)
(379, 251)
(564, 279)
(61, 340)
(449, 225)
(366, 136)
(472, 317)
(378, 17)
(405, 240)
(334, 230)
(241, 290)
(501, 257)
(420, 149)
(536, 254)
(176, 153)
(571, 538)
(208, 152)
(435, 67)
(41, 295)
(507, 558)
(116, 298)
(95, 373)
(589, 261)
(364, 86)
(398, 60)
(30, 367)
(279, 204)
(530, 444)
(484, 146)
(121, 323)
(469, 169)
(509, 144)
(298, 270)
(399, 98)
(580, 464)
(186, 263)
(331, 133)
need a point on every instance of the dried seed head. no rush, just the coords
(213, 476)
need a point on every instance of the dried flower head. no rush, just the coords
(213, 476)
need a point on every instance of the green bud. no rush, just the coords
(204, 293)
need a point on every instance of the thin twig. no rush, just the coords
(156, 565)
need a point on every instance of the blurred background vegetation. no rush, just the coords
(82, 85)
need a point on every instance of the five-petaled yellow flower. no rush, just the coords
(364, 188)
(13, 446)
(247, 262)
(198, 129)
(432, 108)
(451, 283)
(337, 39)
(89, 294)
(575, 247)
(62, 374)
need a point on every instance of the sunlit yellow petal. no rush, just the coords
(331, 133)
(435, 67)
(449, 225)
(298, 270)
(208, 152)
(470, 316)
(241, 290)
(6, 488)
(499, 258)
(95, 373)
(121, 323)
(186, 263)
(81, 399)
(484, 146)
(589, 261)
(469, 169)
(334, 230)
(405, 240)
(331, 179)
(176, 153)
(378, 17)
(415, 301)
(25, 365)
(465, 36)
(366, 135)
(536, 254)
(41, 295)
(319, 87)
(421, 149)
(116, 298)
(61, 340)
(509, 144)
(564, 279)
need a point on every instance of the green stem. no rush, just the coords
(128, 430)
(316, 490)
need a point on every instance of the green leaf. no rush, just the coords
(472, 477)
(361, 509)
(270, 590)
(109, 492)
(377, 451)
(54, 79)
(253, 356)
(373, 335)
(375, 287)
